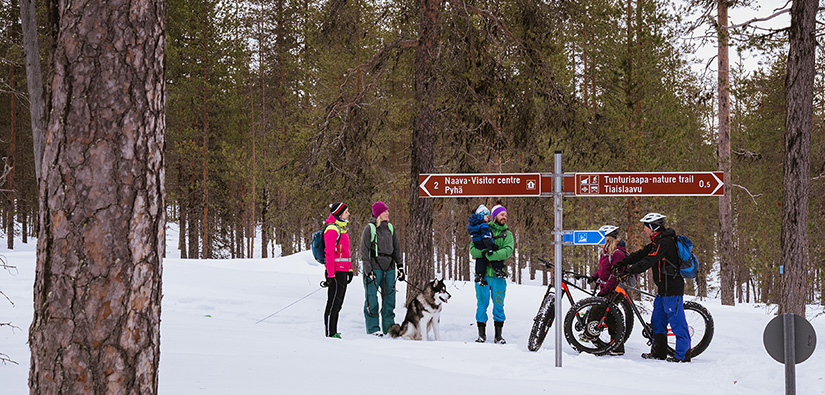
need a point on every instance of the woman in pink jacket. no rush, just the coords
(338, 265)
(613, 251)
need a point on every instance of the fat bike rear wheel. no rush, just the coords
(700, 328)
(543, 321)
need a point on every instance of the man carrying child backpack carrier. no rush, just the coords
(382, 265)
(662, 254)
(479, 230)
(495, 287)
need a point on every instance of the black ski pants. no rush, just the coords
(335, 299)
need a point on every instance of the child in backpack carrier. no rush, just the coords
(482, 239)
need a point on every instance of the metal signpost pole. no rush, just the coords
(790, 354)
(557, 234)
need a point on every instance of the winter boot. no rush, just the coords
(687, 357)
(658, 348)
(482, 332)
(619, 350)
(501, 273)
(499, 325)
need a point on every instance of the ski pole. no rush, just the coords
(288, 306)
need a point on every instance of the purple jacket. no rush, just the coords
(609, 282)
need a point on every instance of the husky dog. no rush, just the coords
(423, 313)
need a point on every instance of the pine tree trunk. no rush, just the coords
(97, 290)
(206, 249)
(12, 162)
(183, 211)
(725, 211)
(193, 219)
(34, 79)
(420, 264)
(799, 84)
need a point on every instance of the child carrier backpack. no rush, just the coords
(372, 236)
(688, 263)
(318, 244)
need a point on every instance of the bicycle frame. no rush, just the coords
(565, 283)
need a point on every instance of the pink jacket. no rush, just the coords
(337, 255)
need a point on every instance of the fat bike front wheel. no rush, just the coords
(543, 321)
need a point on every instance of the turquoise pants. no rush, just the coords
(496, 291)
(385, 284)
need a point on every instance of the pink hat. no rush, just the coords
(497, 209)
(378, 208)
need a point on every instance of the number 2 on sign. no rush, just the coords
(436, 185)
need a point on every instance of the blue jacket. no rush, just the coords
(505, 242)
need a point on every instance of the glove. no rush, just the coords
(400, 275)
(618, 266)
(327, 282)
(592, 279)
(489, 252)
(349, 277)
(371, 275)
(623, 276)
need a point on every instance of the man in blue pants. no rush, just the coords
(496, 287)
(668, 308)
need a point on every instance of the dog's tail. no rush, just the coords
(395, 330)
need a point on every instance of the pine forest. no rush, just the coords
(274, 109)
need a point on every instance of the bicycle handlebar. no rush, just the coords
(575, 275)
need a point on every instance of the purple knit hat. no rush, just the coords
(378, 208)
(497, 209)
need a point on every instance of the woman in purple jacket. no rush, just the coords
(613, 251)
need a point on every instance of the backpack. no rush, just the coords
(318, 244)
(372, 236)
(688, 263)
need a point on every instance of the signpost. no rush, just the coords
(697, 183)
(479, 185)
(558, 184)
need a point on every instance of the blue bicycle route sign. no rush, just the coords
(583, 237)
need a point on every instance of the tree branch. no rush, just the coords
(767, 18)
(745, 154)
(5, 359)
(754, 20)
(753, 197)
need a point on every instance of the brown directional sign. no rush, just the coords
(698, 183)
(479, 185)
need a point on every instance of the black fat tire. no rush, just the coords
(542, 322)
(574, 325)
(700, 325)
(627, 312)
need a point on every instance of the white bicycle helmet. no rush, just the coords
(608, 229)
(652, 217)
(654, 221)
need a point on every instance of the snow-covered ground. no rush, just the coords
(212, 342)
